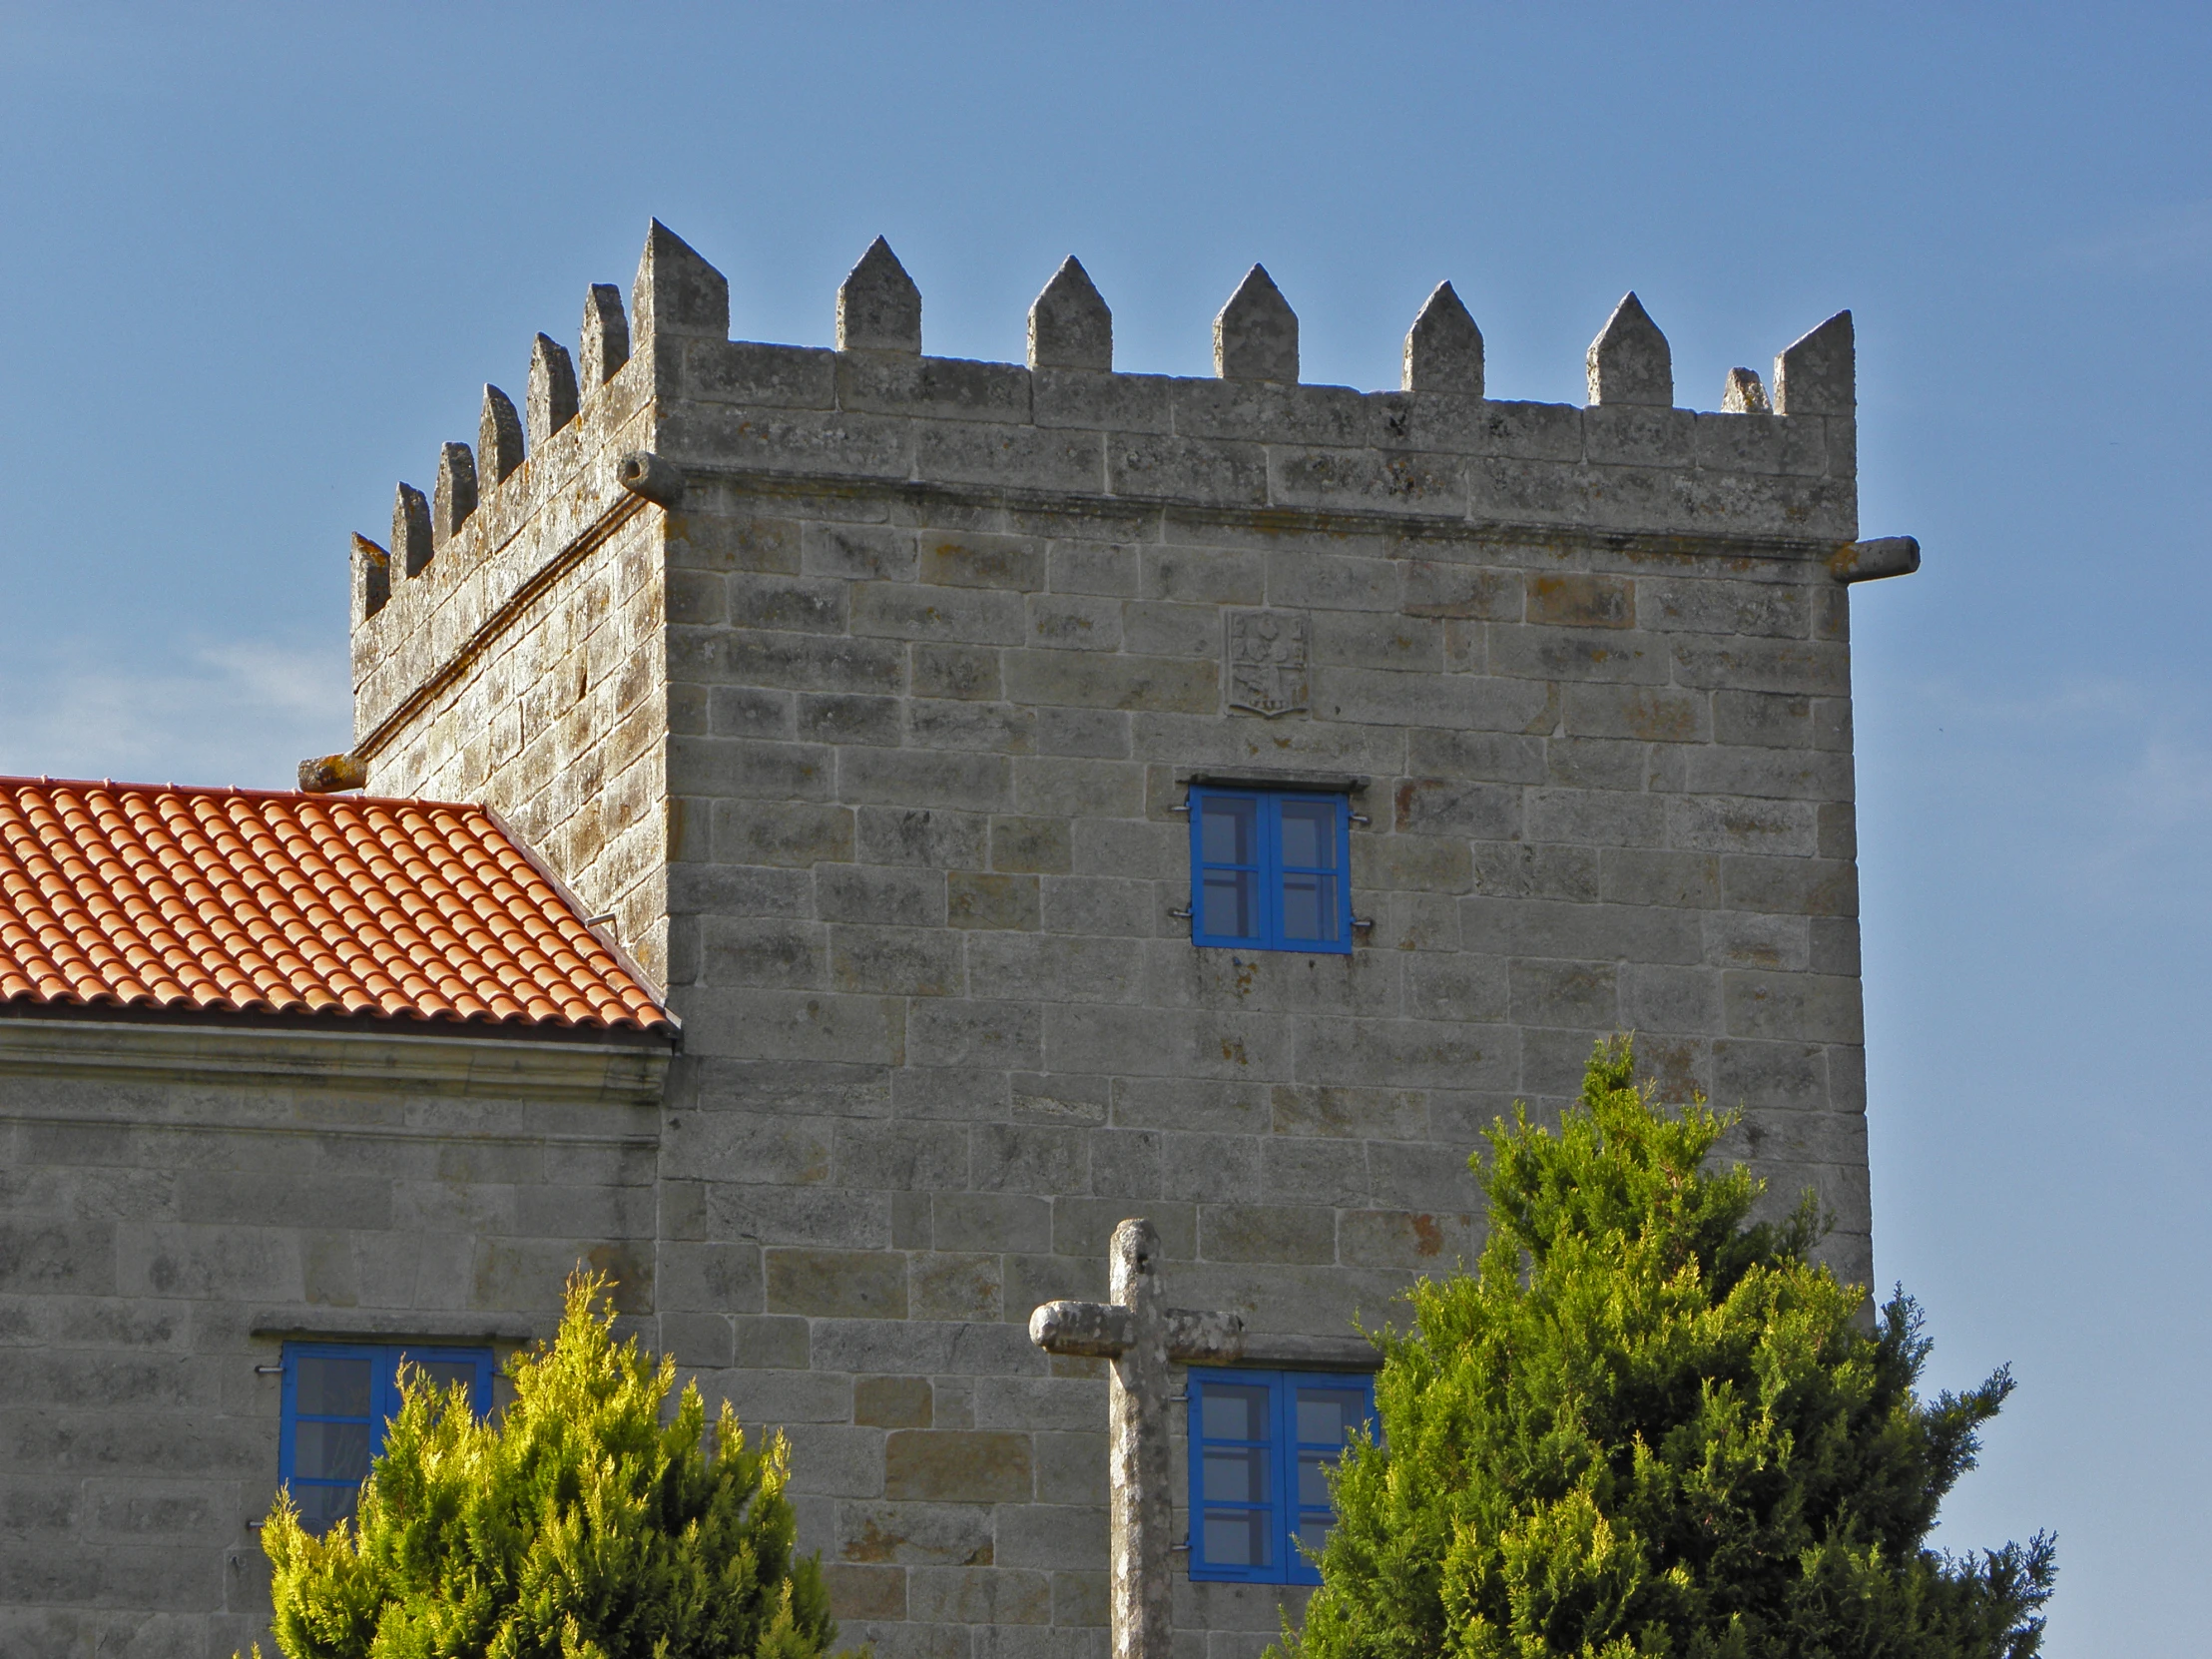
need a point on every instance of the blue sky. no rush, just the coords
(256, 262)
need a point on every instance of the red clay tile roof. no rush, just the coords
(144, 896)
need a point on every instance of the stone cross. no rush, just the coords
(1142, 1338)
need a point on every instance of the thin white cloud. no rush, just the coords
(2156, 241)
(2168, 790)
(232, 712)
(2073, 703)
(2097, 787)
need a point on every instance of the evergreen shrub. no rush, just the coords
(577, 1526)
(1647, 1427)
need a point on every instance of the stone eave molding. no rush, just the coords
(478, 1067)
(314, 1321)
(1296, 1353)
(1510, 535)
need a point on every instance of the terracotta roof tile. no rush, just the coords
(135, 895)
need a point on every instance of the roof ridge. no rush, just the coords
(10, 782)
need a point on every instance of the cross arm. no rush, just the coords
(1092, 1330)
(1104, 1330)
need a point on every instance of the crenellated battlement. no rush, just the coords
(1252, 435)
(876, 410)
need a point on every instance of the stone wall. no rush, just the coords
(944, 643)
(174, 1202)
(944, 1028)
(522, 666)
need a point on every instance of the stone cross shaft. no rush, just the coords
(1142, 1337)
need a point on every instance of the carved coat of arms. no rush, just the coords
(1267, 662)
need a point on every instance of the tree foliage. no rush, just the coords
(1646, 1426)
(578, 1525)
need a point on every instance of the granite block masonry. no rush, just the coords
(181, 1199)
(863, 688)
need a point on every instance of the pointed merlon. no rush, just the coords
(455, 496)
(1819, 374)
(1070, 325)
(676, 292)
(1256, 334)
(550, 404)
(498, 437)
(604, 338)
(1629, 361)
(411, 545)
(1744, 395)
(1443, 349)
(371, 578)
(878, 307)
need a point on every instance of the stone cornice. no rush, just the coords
(315, 1319)
(477, 1067)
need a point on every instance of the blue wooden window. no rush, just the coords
(338, 1397)
(1269, 869)
(1262, 1443)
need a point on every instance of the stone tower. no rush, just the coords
(866, 691)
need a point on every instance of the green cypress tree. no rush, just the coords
(1645, 1427)
(578, 1525)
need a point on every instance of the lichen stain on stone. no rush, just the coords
(873, 1544)
(630, 1277)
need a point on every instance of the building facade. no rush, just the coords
(279, 1075)
(870, 699)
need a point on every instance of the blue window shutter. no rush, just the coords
(289, 1413)
(1320, 1411)
(331, 1426)
(1238, 1535)
(1271, 869)
(1227, 867)
(337, 1401)
(1236, 1481)
(387, 1400)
